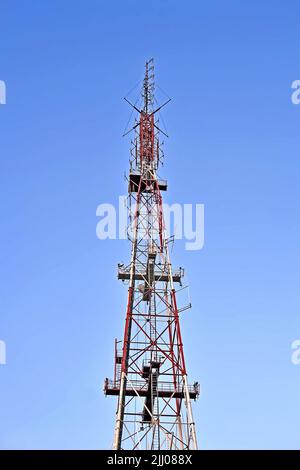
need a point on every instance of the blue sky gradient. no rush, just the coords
(234, 146)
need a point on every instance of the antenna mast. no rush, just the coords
(154, 408)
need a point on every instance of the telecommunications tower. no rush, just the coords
(154, 408)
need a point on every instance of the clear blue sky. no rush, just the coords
(234, 146)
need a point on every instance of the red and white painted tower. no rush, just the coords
(154, 408)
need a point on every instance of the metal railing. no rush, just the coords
(158, 271)
(140, 385)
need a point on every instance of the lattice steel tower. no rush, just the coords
(154, 398)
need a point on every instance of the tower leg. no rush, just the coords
(119, 417)
(190, 414)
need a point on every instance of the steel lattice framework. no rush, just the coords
(154, 398)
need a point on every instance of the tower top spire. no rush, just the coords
(148, 87)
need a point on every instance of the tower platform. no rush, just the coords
(146, 185)
(160, 274)
(140, 387)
